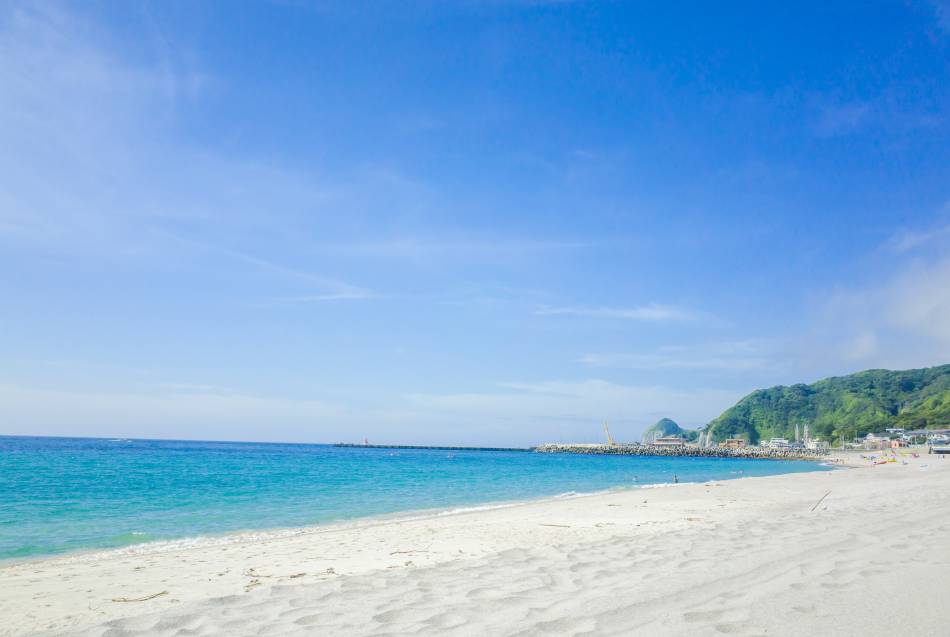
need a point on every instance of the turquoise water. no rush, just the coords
(67, 494)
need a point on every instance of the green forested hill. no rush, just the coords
(846, 405)
(669, 427)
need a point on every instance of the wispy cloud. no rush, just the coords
(652, 313)
(942, 12)
(438, 249)
(894, 110)
(900, 321)
(731, 356)
(332, 289)
(836, 119)
(658, 361)
(908, 240)
(304, 299)
(196, 388)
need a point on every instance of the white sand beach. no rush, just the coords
(747, 556)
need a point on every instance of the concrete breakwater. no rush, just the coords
(684, 451)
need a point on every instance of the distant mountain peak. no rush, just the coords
(668, 427)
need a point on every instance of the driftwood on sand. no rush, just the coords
(139, 599)
(822, 499)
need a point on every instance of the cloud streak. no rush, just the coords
(650, 313)
(447, 249)
(900, 322)
(942, 13)
(658, 361)
(334, 289)
(749, 355)
(907, 241)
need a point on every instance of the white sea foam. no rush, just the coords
(661, 485)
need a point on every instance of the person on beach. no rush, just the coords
(675, 479)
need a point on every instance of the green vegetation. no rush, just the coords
(846, 406)
(668, 427)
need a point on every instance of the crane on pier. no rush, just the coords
(610, 439)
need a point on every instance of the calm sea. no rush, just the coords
(68, 494)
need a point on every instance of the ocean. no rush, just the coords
(72, 494)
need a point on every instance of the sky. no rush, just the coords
(495, 222)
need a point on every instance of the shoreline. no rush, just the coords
(157, 547)
(616, 546)
(265, 534)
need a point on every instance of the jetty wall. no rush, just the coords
(684, 451)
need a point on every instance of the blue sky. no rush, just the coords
(493, 222)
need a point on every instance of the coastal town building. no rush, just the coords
(733, 443)
(876, 441)
(916, 436)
